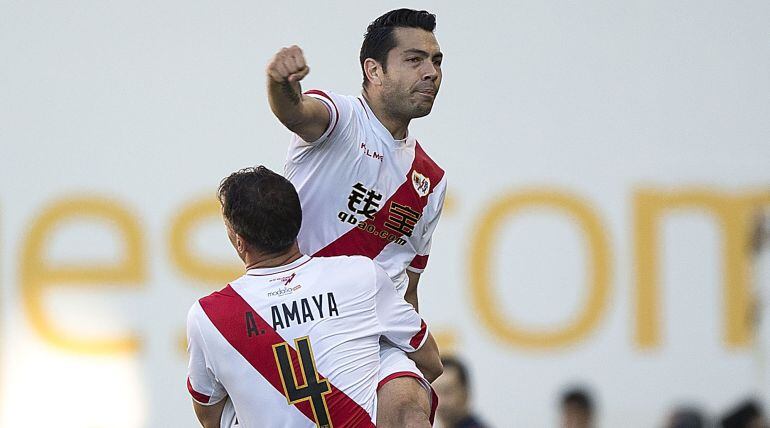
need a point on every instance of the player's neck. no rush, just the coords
(396, 126)
(258, 260)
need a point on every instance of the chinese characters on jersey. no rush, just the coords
(400, 221)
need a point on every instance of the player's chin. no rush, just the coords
(421, 109)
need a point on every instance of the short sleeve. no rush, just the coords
(420, 260)
(201, 380)
(401, 324)
(340, 113)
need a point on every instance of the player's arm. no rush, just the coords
(427, 359)
(305, 116)
(404, 328)
(417, 265)
(208, 395)
(209, 416)
(411, 289)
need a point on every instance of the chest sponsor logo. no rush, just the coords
(364, 201)
(421, 184)
(400, 220)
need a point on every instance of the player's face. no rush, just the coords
(413, 73)
(574, 417)
(452, 396)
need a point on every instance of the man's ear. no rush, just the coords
(240, 244)
(373, 70)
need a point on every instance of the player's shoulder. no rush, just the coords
(423, 159)
(350, 270)
(337, 100)
(195, 314)
(221, 297)
(346, 262)
(427, 172)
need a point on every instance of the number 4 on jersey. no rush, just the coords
(313, 389)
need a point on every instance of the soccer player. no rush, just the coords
(367, 186)
(294, 341)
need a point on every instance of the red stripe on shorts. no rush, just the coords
(395, 375)
(433, 396)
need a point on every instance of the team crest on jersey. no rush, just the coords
(421, 183)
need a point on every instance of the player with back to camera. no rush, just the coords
(294, 341)
(366, 185)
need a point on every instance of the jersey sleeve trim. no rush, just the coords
(200, 372)
(197, 396)
(334, 113)
(419, 339)
(418, 263)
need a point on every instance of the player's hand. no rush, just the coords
(288, 65)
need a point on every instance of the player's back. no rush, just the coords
(292, 345)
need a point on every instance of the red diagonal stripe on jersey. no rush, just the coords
(226, 309)
(358, 242)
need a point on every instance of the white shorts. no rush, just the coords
(394, 364)
(229, 419)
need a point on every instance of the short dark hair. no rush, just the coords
(462, 370)
(742, 415)
(687, 417)
(262, 207)
(379, 39)
(580, 397)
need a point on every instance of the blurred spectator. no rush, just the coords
(454, 396)
(577, 409)
(687, 417)
(760, 308)
(746, 415)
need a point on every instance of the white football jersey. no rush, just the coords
(298, 345)
(364, 193)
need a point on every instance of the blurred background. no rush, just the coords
(608, 167)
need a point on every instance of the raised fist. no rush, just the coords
(288, 65)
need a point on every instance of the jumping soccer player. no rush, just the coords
(296, 340)
(366, 185)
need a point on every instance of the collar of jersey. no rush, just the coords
(279, 269)
(381, 130)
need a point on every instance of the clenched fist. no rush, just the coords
(288, 65)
